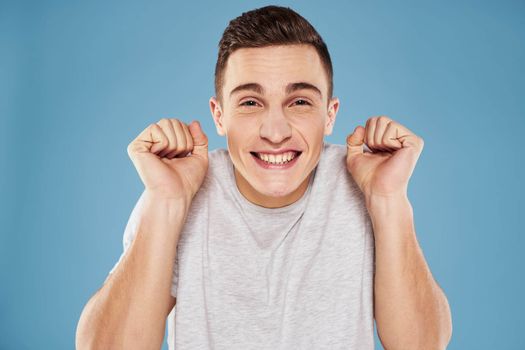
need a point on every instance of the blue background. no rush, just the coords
(79, 81)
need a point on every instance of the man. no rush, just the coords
(282, 241)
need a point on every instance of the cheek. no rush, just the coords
(310, 129)
(242, 131)
(240, 138)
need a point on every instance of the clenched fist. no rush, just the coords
(386, 171)
(171, 158)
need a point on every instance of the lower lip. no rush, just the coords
(266, 165)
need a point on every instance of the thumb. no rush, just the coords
(200, 140)
(355, 141)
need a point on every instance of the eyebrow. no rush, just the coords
(248, 87)
(303, 86)
(289, 88)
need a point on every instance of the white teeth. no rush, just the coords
(278, 158)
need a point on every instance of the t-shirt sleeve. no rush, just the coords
(129, 235)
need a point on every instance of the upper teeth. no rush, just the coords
(277, 158)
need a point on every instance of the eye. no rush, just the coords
(301, 102)
(249, 103)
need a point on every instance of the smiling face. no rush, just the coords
(275, 113)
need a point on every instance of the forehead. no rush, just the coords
(274, 67)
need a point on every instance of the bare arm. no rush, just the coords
(411, 311)
(130, 310)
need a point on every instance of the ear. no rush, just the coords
(216, 113)
(333, 107)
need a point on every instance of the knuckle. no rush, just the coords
(132, 149)
(179, 124)
(155, 126)
(175, 123)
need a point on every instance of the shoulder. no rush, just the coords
(218, 172)
(218, 162)
(218, 155)
(334, 150)
(333, 157)
(332, 171)
(212, 191)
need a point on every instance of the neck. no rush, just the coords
(255, 197)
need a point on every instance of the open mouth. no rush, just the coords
(276, 161)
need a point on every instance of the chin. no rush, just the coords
(275, 191)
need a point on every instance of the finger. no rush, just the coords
(366, 131)
(181, 139)
(152, 140)
(370, 131)
(148, 141)
(200, 140)
(390, 136)
(167, 128)
(184, 150)
(407, 138)
(173, 149)
(355, 141)
(180, 150)
(381, 124)
(189, 139)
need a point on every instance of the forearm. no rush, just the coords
(411, 311)
(130, 310)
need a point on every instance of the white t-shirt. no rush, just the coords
(296, 277)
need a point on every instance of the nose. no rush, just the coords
(275, 127)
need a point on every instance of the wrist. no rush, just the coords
(170, 199)
(388, 205)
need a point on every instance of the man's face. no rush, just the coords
(274, 114)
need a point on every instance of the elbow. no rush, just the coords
(83, 342)
(435, 335)
(443, 325)
(442, 334)
(86, 335)
(438, 333)
(441, 340)
(446, 333)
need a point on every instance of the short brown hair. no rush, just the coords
(266, 26)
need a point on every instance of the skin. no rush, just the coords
(410, 309)
(273, 119)
(130, 310)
